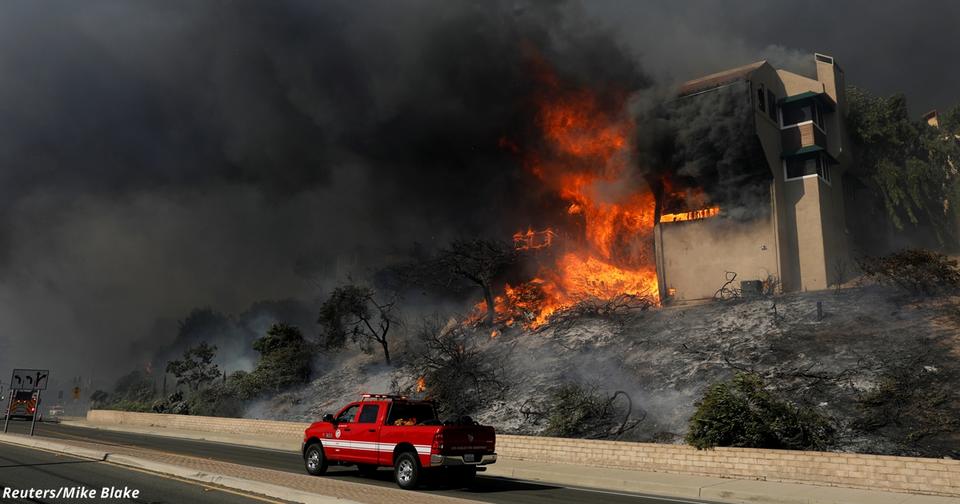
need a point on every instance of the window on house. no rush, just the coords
(825, 171)
(802, 166)
(760, 98)
(818, 114)
(772, 105)
(795, 113)
(799, 112)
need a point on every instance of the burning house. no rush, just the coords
(738, 177)
(772, 214)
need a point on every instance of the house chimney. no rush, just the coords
(831, 76)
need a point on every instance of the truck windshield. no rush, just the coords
(23, 395)
(410, 413)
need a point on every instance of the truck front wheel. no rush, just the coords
(314, 460)
(407, 470)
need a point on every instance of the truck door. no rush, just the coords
(340, 447)
(366, 435)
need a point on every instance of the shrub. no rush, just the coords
(918, 271)
(741, 412)
(459, 375)
(218, 400)
(584, 412)
(125, 405)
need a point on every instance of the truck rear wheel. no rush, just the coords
(406, 470)
(314, 460)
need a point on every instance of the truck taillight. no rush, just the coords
(437, 445)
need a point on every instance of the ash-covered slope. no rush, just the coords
(883, 367)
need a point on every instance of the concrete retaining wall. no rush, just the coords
(874, 472)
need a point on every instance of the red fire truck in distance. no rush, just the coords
(24, 405)
(394, 431)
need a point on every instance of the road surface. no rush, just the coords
(27, 468)
(487, 489)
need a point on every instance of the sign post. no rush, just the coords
(6, 416)
(33, 421)
(33, 380)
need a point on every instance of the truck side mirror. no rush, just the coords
(327, 418)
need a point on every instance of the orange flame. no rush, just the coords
(584, 159)
(703, 213)
(532, 240)
(421, 384)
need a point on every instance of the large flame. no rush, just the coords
(584, 159)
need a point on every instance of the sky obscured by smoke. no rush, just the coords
(159, 156)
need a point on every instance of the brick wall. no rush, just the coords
(876, 472)
(264, 428)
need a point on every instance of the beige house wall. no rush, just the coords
(695, 255)
(768, 132)
(804, 212)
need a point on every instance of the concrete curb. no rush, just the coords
(600, 483)
(234, 483)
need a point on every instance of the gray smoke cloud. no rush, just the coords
(157, 156)
(885, 46)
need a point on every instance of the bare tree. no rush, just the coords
(356, 312)
(840, 270)
(478, 261)
(458, 374)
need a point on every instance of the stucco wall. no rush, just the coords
(695, 255)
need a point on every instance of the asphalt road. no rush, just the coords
(27, 468)
(487, 489)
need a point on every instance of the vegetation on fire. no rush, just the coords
(458, 374)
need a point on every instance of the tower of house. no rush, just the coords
(799, 242)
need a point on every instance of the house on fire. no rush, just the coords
(798, 237)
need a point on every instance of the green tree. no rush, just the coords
(908, 164)
(196, 368)
(354, 311)
(285, 360)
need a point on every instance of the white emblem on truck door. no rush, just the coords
(337, 433)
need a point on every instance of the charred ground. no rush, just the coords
(880, 365)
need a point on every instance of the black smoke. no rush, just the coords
(706, 141)
(159, 156)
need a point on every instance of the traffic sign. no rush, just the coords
(29, 379)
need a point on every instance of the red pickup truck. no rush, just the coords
(394, 431)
